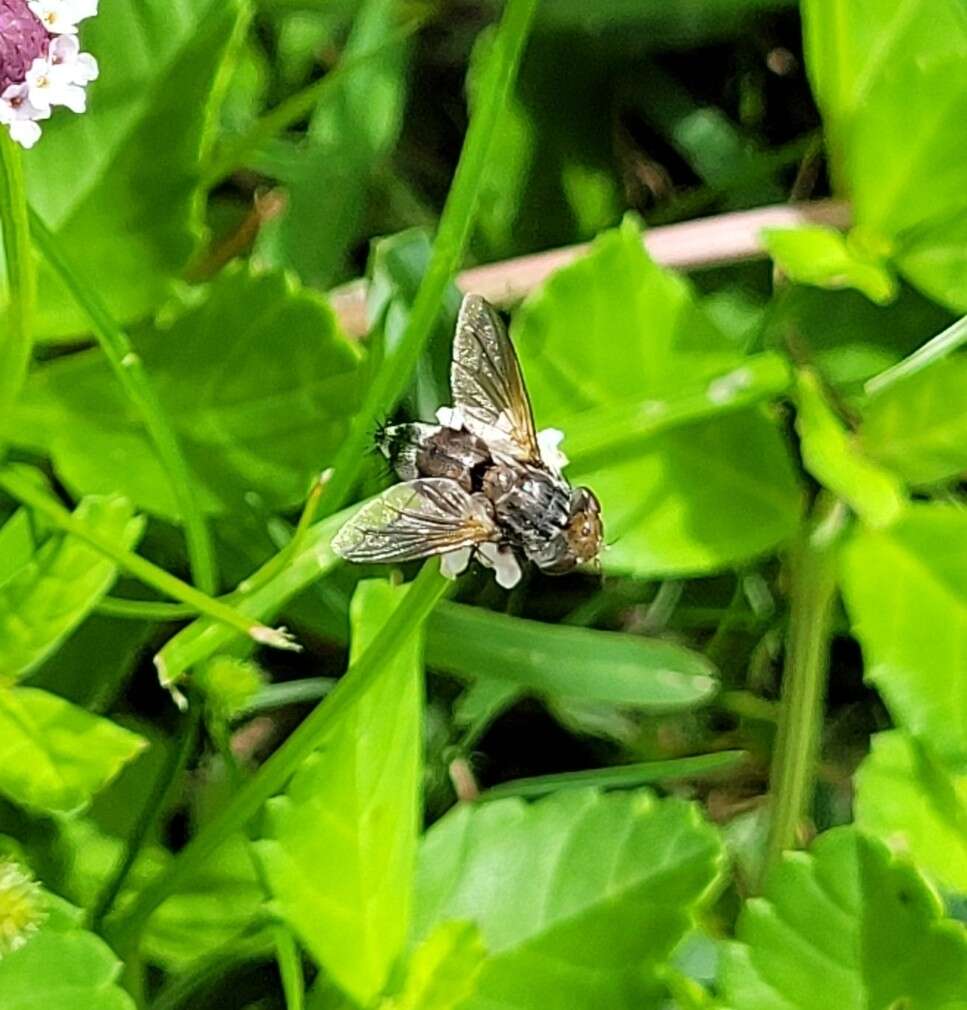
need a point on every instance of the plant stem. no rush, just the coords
(29, 494)
(286, 950)
(456, 223)
(16, 336)
(296, 107)
(933, 350)
(157, 802)
(813, 592)
(425, 591)
(145, 610)
(134, 379)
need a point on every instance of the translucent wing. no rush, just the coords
(487, 384)
(414, 520)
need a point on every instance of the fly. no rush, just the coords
(482, 482)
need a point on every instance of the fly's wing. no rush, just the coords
(487, 384)
(414, 520)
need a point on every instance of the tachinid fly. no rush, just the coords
(483, 482)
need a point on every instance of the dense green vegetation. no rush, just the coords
(728, 771)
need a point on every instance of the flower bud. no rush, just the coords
(23, 39)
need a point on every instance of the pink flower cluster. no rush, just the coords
(41, 63)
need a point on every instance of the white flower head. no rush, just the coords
(20, 115)
(61, 17)
(44, 64)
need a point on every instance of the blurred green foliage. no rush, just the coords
(637, 737)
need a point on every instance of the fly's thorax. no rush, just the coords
(579, 541)
(531, 504)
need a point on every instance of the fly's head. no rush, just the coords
(581, 539)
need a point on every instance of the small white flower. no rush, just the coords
(67, 60)
(61, 17)
(20, 115)
(60, 79)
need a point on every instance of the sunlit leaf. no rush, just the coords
(127, 209)
(53, 755)
(850, 923)
(915, 806)
(833, 457)
(17, 544)
(891, 81)
(906, 591)
(622, 669)
(918, 425)
(824, 257)
(59, 586)
(612, 330)
(341, 843)
(62, 967)
(575, 896)
(257, 380)
(442, 971)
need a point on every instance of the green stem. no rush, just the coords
(426, 590)
(296, 107)
(145, 610)
(134, 380)
(16, 336)
(812, 595)
(29, 494)
(456, 222)
(157, 803)
(933, 350)
(286, 950)
(621, 776)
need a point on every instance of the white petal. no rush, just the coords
(548, 441)
(63, 49)
(25, 132)
(450, 417)
(504, 563)
(455, 562)
(86, 69)
(71, 95)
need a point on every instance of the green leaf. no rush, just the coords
(208, 911)
(623, 669)
(850, 922)
(62, 967)
(575, 896)
(913, 805)
(327, 180)
(59, 586)
(891, 81)
(127, 209)
(825, 258)
(906, 591)
(613, 330)
(341, 843)
(833, 457)
(55, 756)
(918, 426)
(257, 380)
(17, 544)
(442, 971)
